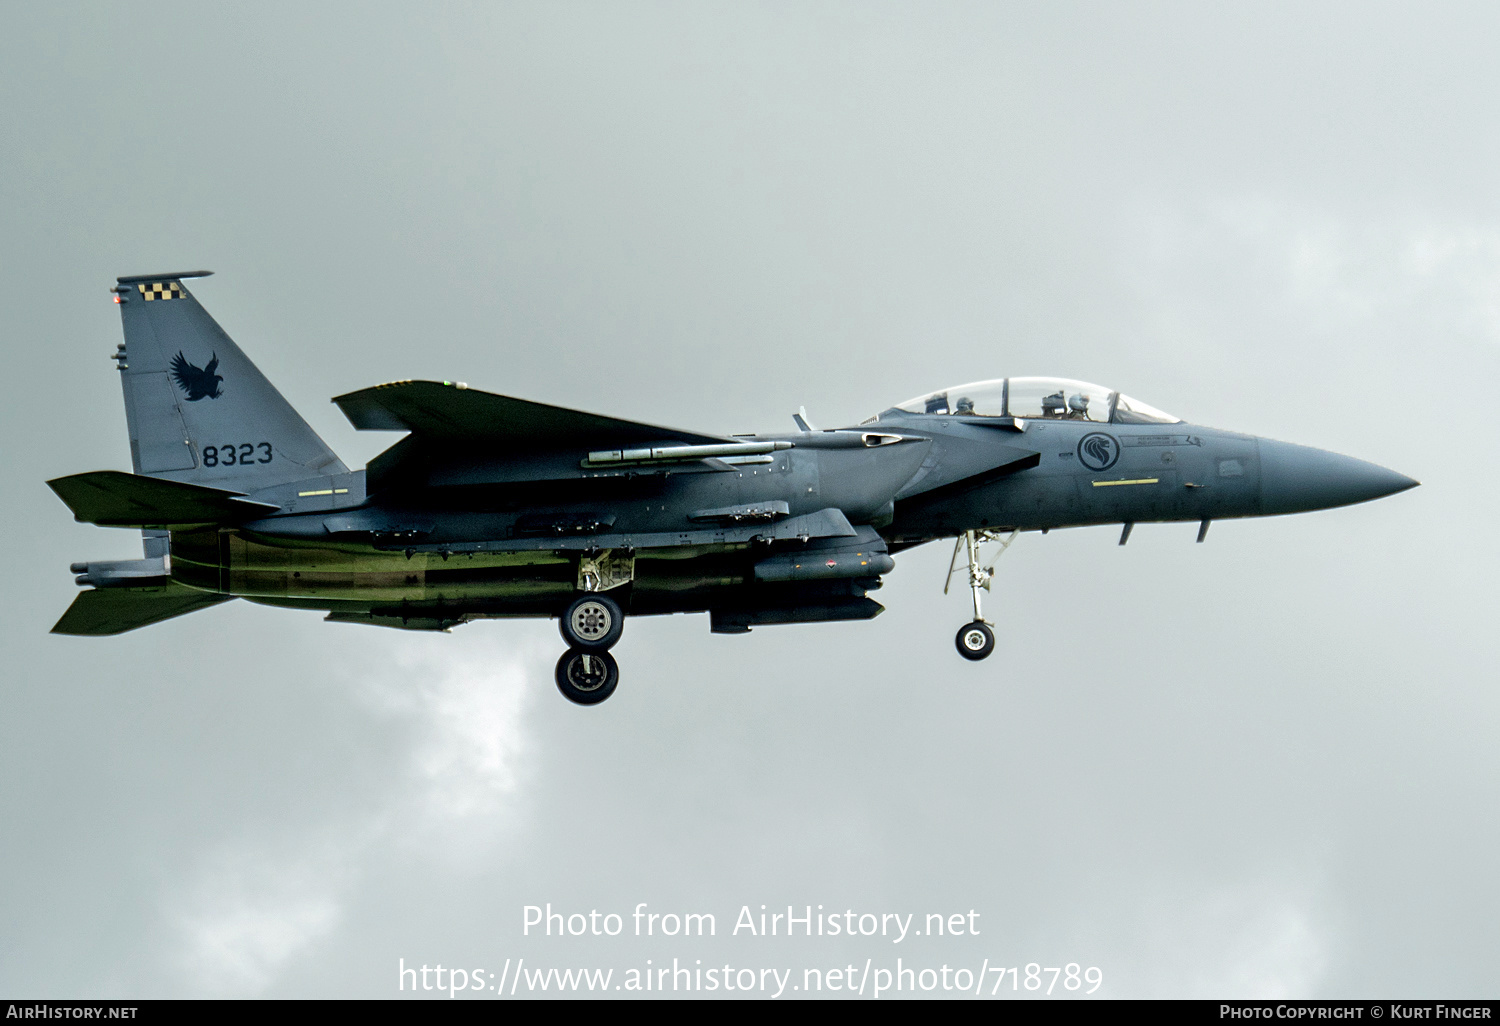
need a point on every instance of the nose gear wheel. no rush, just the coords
(975, 640)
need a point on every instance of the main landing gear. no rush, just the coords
(592, 623)
(587, 678)
(975, 640)
(587, 673)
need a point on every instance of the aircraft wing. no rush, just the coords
(444, 411)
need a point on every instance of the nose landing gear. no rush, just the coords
(976, 640)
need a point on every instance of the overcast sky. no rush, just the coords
(1261, 766)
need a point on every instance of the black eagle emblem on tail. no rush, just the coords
(197, 383)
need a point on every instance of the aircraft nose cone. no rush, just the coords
(1296, 478)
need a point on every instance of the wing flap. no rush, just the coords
(443, 411)
(112, 498)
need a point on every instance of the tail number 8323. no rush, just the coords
(236, 455)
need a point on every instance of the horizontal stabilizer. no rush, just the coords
(442, 411)
(112, 498)
(117, 610)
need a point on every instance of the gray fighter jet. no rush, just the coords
(491, 506)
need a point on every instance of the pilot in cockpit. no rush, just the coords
(1024, 399)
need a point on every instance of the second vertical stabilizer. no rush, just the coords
(198, 410)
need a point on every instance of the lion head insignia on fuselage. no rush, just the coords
(197, 383)
(1098, 451)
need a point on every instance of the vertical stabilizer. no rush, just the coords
(198, 410)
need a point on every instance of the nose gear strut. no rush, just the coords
(976, 640)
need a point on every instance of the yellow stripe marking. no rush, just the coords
(1139, 480)
(321, 491)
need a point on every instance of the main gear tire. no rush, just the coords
(587, 678)
(975, 640)
(592, 623)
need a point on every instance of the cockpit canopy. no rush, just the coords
(1039, 399)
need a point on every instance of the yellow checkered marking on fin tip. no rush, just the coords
(161, 290)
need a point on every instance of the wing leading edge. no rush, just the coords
(445, 411)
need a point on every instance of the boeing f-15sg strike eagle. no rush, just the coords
(491, 506)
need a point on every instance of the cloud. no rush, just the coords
(466, 762)
(248, 915)
(1335, 268)
(254, 905)
(1259, 939)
